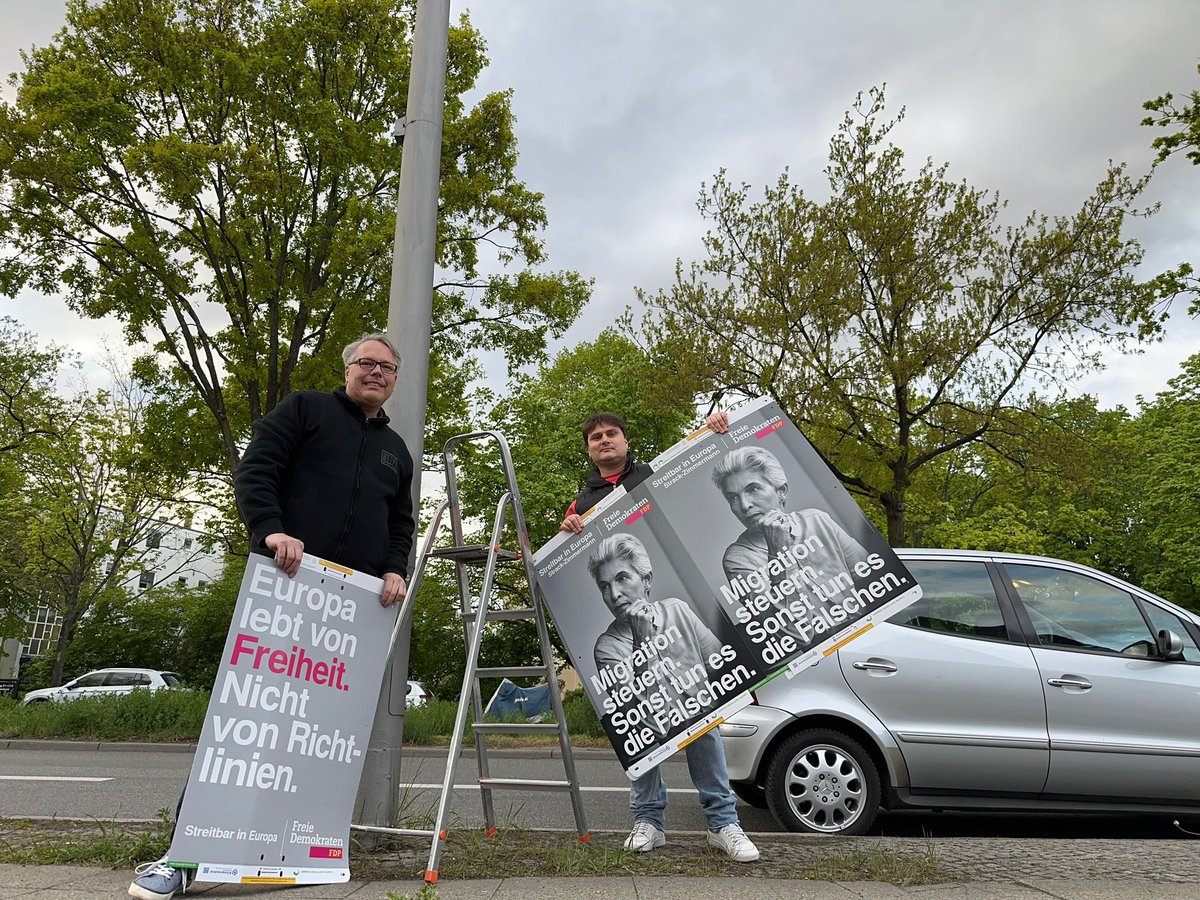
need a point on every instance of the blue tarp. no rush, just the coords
(528, 702)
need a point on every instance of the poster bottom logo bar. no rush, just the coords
(223, 873)
(681, 740)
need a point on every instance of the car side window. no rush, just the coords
(1072, 611)
(1161, 618)
(140, 679)
(121, 679)
(95, 679)
(957, 597)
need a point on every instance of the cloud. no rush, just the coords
(624, 107)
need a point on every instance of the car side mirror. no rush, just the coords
(1170, 645)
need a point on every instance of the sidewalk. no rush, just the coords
(82, 883)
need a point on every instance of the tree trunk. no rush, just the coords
(895, 509)
(60, 652)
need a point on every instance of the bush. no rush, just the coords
(431, 723)
(140, 716)
(580, 715)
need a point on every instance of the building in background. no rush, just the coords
(170, 555)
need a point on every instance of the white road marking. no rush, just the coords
(584, 788)
(50, 778)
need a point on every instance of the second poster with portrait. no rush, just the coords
(740, 559)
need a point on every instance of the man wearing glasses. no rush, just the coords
(324, 474)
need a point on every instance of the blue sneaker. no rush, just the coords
(158, 881)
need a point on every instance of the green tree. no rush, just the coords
(90, 501)
(28, 372)
(219, 175)
(1183, 121)
(30, 412)
(543, 412)
(900, 320)
(1183, 117)
(1167, 482)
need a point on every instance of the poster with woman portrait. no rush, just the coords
(740, 559)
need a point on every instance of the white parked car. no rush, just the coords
(417, 695)
(103, 682)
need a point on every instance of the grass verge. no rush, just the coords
(178, 716)
(511, 852)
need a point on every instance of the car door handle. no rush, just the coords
(874, 664)
(1070, 681)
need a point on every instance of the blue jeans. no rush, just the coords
(706, 765)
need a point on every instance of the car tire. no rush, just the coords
(823, 782)
(751, 793)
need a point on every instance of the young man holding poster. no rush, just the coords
(623, 574)
(326, 475)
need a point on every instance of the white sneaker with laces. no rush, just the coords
(645, 837)
(733, 841)
(158, 881)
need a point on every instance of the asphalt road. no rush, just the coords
(136, 784)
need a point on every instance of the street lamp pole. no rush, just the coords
(410, 316)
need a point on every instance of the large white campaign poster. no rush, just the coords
(743, 558)
(272, 787)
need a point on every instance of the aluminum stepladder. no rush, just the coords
(476, 614)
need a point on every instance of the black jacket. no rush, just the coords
(597, 488)
(320, 470)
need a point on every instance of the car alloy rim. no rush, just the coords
(824, 788)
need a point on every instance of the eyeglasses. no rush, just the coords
(368, 365)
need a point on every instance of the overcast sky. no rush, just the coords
(624, 108)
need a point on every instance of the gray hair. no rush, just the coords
(350, 352)
(621, 546)
(750, 459)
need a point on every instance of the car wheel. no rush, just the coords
(823, 781)
(750, 793)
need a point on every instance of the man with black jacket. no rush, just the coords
(324, 473)
(327, 475)
(608, 447)
(604, 436)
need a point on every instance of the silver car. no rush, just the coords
(103, 682)
(1014, 683)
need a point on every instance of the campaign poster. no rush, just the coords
(794, 564)
(748, 560)
(658, 660)
(272, 786)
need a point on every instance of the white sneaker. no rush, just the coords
(733, 841)
(645, 837)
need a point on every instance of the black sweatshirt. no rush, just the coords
(319, 470)
(598, 487)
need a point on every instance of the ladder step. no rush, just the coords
(516, 728)
(524, 784)
(473, 553)
(407, 832)
(504, 615)
(511, 672)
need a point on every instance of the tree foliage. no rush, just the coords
(901, 320)
(219, 175)
(1184, 120)
(1183, 117)
(1167, 481)
(28, 372)
(81, 519)
(543, 412)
